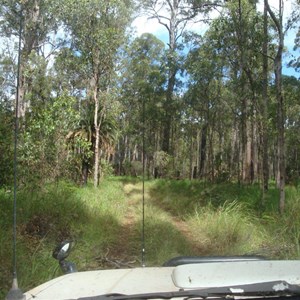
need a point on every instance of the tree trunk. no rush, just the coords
(21, 90)
(97, 130)
(233, 151)
(265, 101)
(96, 165)
(31, 19)
(202, 157)
(248, 164)
(190, 156)
(84, 171)
(168, 107)
(246, 122)
(212, 155)
(172, 65)
(280, 102)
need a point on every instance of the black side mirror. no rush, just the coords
(61, 252)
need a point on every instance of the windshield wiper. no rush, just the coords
(272, 289)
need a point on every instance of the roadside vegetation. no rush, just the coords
(181, 218)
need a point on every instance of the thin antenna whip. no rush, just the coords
(143, 188)
(15, 293)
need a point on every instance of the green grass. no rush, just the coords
(231, 229)
(163, 240)
(181, 218)
(184, 197)
(52, 214)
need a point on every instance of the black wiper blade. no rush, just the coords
(262, 289)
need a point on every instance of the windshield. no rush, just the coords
(277, 289)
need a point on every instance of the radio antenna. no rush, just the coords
(15, 293)
(143, 187)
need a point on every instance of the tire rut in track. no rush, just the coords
(124, 254)
(179, 224)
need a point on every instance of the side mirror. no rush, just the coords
(61, 252)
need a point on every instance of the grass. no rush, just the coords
(163, 240)
(231, 229)
(181, 218)
(184, 197)
(52, 214)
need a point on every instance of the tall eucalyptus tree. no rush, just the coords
(205, 87)
(174, 15)
(265, 104)
(97, 30)
(239, 38)
(143, 80)
(278, 23)
(35, 23)
(37, 19)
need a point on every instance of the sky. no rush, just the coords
(142, 25)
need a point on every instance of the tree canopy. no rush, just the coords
(95, 99)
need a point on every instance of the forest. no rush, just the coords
(95, 99)
(206, 116)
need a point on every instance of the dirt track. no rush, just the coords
(127, 251)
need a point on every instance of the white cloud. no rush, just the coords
(144, 24)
